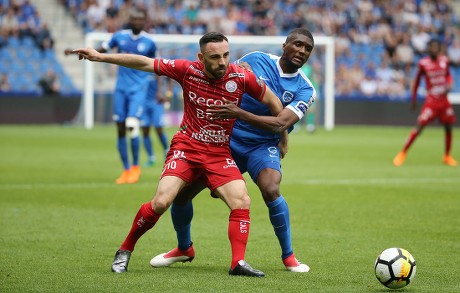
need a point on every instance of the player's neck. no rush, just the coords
(287, 68)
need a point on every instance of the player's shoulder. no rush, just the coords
(123, 32)
(145, 35)
(443, 58)
(426, 60)
(259, 55)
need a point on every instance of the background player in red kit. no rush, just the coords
(438, 80)
(201, 146)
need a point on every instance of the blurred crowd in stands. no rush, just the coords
(378, 42)
(26, 50)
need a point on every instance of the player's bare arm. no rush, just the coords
(276, 124)
(134, 61)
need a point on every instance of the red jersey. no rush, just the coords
(437, 79)
(200, 92)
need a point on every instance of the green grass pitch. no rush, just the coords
(63, 217)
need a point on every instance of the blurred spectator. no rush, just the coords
(111, 18)
(10, 23)
(95, 15)
(4, 83)
(43, 38)
(49, 83)
(453, 53)
(419, 39)
(404, 54)
(368, 86)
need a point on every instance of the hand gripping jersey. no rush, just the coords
(200, 92)
(295, 91)
(127, 42)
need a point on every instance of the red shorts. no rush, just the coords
(190, 160)
(430, 111)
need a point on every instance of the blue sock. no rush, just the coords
(135, 145)
(182, 219)
(123, 151)
(148, 146)
(279, 217)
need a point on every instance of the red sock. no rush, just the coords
(238, 233)
(412, 136)
(145, 219)
(448, 142)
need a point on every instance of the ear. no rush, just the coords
(200, 56)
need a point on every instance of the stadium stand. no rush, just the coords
(27, 51)
(378, 42)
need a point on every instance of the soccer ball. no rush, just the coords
(395, 268)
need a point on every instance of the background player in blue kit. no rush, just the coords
(255, 150)
(130, 91)
(153, 116)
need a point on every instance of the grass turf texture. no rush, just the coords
(63, 217)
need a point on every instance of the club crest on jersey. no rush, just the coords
(230, 86)
(141, 47)
(288, 97)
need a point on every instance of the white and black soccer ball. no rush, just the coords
(395, 268)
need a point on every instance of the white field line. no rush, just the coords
(364, 181)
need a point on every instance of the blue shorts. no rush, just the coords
(153, 114)
(253, 159)
(128, 104)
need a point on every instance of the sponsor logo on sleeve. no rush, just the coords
(301, 106)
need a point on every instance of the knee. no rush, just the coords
(270, 191)
(241, 202)
(133, 126)
(160, 204)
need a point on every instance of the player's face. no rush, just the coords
(296, 51)
(137, 24)
(434, 48)
(215, 57)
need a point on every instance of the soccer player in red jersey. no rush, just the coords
(438, 80)
(201, 145)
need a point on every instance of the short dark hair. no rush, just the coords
(212, 37)
(301, 31)
(433, 41)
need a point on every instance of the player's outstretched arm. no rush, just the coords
(134, 61)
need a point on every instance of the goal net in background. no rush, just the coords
(99, 78)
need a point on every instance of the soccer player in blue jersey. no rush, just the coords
(130, 91)
(153, 116)
(255, 150)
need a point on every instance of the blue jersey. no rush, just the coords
(127, 42)
(295, 91)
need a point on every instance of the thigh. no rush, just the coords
(265, 156)
(447, 115)
(119, 106)
(136, 104)
(219, 169)
(234, 194)
(157, 116)
(147, 115)
(427, 114)
(167, 190)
